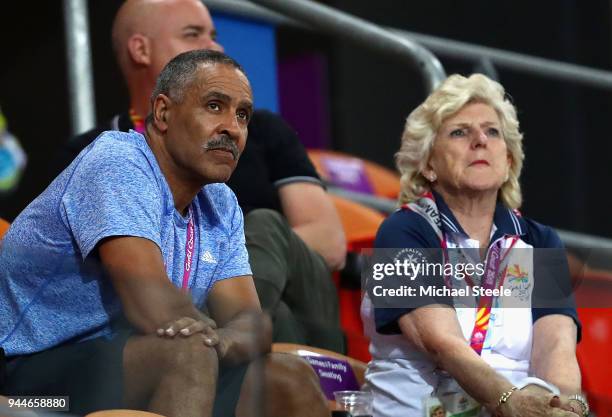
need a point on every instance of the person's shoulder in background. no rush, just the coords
(69, 151)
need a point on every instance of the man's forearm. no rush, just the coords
(247, 336)
(313, 217)
(163, 305)
(136, 269)
(327, 241)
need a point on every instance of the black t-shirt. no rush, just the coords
(273, 157)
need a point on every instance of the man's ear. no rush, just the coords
(161, 109)
(139, 49)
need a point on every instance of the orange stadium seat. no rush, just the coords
(4, 226)
(360, 224)
(331, 165)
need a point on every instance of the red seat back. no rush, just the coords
(594, 295)
(360, 225)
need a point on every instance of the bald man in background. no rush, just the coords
(293, 232)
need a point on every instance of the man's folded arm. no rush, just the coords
(245, 332)
(313, 217)
(149, 299)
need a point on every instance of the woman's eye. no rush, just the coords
(457, 133)
(494, 132)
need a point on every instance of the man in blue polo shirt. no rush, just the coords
(105, 275)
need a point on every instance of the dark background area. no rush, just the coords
(567, 135)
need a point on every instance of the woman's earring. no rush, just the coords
(432, 177)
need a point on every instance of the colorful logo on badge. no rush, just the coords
(518, 280)
(515, 273)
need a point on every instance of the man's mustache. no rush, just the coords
(223, 142)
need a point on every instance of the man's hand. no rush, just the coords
(187, 326)
(222, 339)
(226, 337)
(244, 331)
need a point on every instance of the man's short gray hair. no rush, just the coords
(180, 72)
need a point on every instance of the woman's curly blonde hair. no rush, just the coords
(423, 123)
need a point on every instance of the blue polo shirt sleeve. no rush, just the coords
(112, 192)
(406, 229)
(553, 293)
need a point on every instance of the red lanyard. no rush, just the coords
(483, 315)
(190, 241)
(189, 245)
(427, 208)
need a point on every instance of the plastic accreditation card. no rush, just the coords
(450, 402)
(453, 400)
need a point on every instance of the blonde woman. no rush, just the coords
(460, 161)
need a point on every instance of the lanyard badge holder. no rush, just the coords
(449, 399)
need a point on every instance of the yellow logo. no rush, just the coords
(516, 274)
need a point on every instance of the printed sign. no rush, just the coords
(334, 374)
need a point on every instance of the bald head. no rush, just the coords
(147, 34)
(134, 16)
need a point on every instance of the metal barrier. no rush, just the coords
(308, 15)
(364, 33)
(80, 74)
(598, 245)
(557, 70)
(528, 64)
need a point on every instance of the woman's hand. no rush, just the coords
(567, 404)
(532, 402)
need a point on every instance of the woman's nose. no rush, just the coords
(480, 136)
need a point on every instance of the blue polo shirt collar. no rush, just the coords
(507, 221)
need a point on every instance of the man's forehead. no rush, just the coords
(225, 79)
